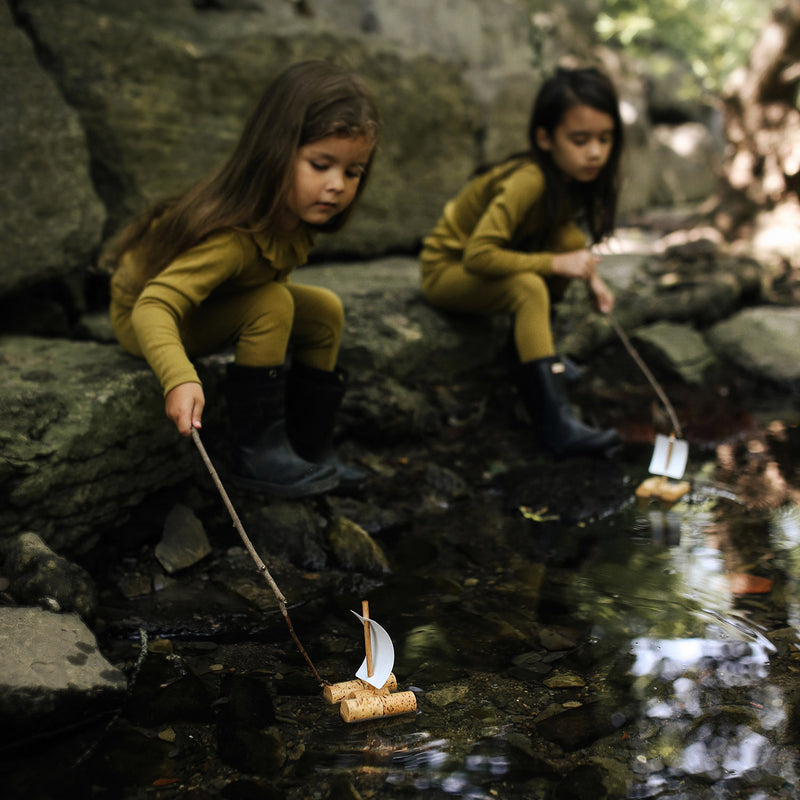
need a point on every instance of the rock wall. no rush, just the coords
(51, 215)
(117, 104)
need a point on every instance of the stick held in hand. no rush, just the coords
(262, 567)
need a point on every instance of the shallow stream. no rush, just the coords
(577, 643)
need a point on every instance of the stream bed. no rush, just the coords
(563, 638)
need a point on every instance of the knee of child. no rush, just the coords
(275, 301)
(530, 285)
(332, 310)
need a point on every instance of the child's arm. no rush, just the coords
(184, 406)
(578, 264)
(603, 296)
(160, 310)
(582, 265)
(488, 251)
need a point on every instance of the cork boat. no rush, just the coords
(373, 693)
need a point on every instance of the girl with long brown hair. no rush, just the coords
(211, 268)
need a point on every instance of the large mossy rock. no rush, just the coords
(51, 218)
(84, 438)
(163, 91)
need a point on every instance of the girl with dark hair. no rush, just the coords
(211, 268)
(511, 240)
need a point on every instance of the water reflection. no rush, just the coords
(719, 717)
(728, 663)
(680, 610)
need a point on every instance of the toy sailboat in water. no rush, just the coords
(670, 455)
(374, 692)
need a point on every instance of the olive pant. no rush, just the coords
(525, 295)
(263, 323)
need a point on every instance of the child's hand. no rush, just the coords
(184, 406)
(578, 264)
(603, 296)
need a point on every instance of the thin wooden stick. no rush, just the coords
(367, 637)
(262, 567)
(649, 375)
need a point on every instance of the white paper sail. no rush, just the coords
(382, 655)
(669, 457)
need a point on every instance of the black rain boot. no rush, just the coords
(263, 458)
(312, 401)
(539, 382)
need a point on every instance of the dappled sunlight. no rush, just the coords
(777, 233)
(730, 663)
(722, 716)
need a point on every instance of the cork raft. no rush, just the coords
(373, 693)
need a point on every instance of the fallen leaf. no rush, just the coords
(744, 583)
(537, 516)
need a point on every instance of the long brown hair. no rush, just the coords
(597, 200)
(308, 101)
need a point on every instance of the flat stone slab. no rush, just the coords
(761, 341)
(52, 674)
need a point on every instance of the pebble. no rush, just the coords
(564, 680)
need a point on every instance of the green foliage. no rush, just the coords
(713, 37)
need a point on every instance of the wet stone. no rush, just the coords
(582, 783)
(576, 728)
(246, 739)
(184, 541)
(167, 689)
(167, 735)
(288, 530)
(355, 549)
(445, 481)
(448, 695)
(564, 680)
(245, 701)
(253, 750)
(39, 576)
(52, 674)
(342, 789)
(529, 665)
(558, 639)
(371, 517)
(786, 640)
(135, 584)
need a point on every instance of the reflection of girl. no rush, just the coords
(510, 239)
(211, 268)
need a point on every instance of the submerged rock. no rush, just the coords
(184, 541)
(246, 736)
(355, 549)
(579, 727)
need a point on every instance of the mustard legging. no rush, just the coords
(263, 323)
(525, 295)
